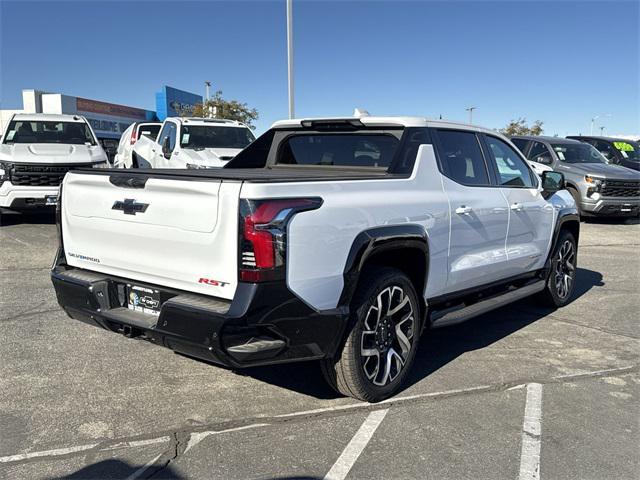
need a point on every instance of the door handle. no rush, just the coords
(516, 207)
(464, 210)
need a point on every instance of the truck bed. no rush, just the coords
(256, 175)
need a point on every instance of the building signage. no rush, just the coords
(104, 108)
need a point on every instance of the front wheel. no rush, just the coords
(381, 345)
(562, 276)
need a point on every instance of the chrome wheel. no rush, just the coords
(387, 336)
(565, 269)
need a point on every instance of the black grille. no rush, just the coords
(620, 188)
(39, 175)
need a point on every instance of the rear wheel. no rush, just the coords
(382, 342)
(562, 275)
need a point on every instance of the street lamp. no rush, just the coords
(593, 120)
(470, 110)
(290, 55)
(602, 131)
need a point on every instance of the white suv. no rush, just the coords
(337, 240)
(37, 150)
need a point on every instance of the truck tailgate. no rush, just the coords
(178, 233)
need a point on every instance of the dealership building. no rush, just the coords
(108, 120)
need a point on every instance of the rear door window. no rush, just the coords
(339, 150)
(512, 170)
(461, 157)
(150, 131)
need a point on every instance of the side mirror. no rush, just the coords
(545, 159)
(165, 148)
(552, 182)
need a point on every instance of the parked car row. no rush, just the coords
(599, 185)
(181, 142)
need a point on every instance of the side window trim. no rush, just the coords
(532, 175)
(438, 149)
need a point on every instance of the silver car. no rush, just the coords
(598, 187)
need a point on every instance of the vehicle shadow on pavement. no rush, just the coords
(113, 468)
(34, 218)
(437, 348)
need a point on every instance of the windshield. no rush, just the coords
(75, 133)
(629, 150)
(206, 136)
(150, 131)
(577, 153)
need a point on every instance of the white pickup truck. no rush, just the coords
(338, 240)
(192, 143)
(36, 151)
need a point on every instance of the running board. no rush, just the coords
(459, 314)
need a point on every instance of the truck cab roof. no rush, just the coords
(383, 121)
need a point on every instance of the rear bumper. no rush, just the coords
(264, 323)
(612, 207)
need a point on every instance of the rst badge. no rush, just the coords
(212, 282)
(129, 206)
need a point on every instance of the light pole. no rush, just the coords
(290, 55)
(470, 110)
(602, 131)
(593, 120)
(207, 85)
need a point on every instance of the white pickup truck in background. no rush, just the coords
(137, 130)
(36, 151)
(192, 143)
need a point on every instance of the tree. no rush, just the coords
(218, 107)
(520, 127)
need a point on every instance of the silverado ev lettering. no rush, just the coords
(337, 240)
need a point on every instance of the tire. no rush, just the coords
(562, 274)
(358, 369)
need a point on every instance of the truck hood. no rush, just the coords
(210, 157)
(603, 170)
(51, 153)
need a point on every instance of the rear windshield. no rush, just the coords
(150, 131)
(75, 133)
(577, 153)
(199, 137)
(340, 150)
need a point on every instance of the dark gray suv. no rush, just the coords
(599, 188)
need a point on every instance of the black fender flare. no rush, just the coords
(374, 241)
(566, 216)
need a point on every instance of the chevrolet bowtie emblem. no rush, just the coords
(129, 206)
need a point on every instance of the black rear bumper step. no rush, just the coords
(264, 323)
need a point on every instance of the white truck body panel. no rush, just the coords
(180, 238)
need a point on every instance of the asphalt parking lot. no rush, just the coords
(522, 392)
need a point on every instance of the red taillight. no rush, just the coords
(263, 237)
(134, 136)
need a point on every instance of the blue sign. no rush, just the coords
(169, 100)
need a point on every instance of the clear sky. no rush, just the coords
(562, 62)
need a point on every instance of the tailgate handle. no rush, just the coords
(128, 181)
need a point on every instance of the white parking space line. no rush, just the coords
(531, 431)
(357, 444)
(138, 473)
(196, 437)
(47, 453)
